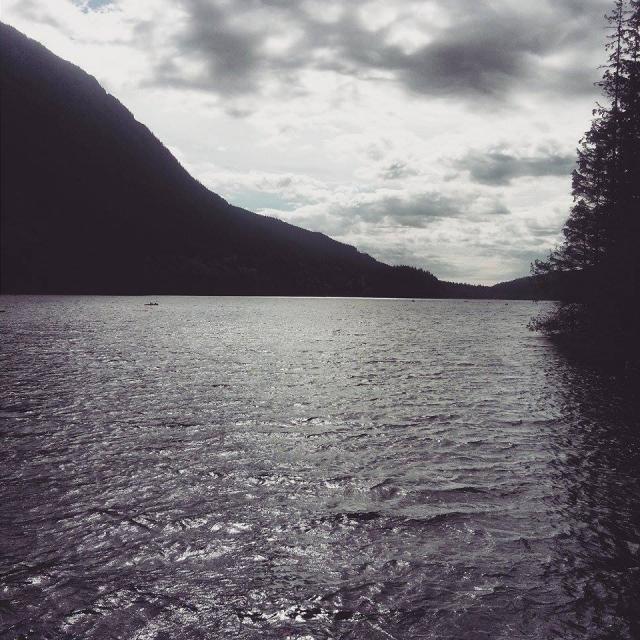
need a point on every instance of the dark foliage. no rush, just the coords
(602, 234)
(552, 286)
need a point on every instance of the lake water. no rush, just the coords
(310, 468)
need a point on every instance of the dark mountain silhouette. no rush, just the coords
(561, 285)
(92, 202)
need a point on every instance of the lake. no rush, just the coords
(310, 469)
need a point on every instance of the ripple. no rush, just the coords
(272, 468)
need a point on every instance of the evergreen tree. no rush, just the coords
(601, 243)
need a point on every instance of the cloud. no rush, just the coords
(393, 208)
(33, 11)
(396, 170)
(430, 132)
(499, 167)
(491, 48)
(475, 50)
(227, 55)
(348, 211)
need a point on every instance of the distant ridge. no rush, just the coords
(92, 202)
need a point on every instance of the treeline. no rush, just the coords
(601, 246)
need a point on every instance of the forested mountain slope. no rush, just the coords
(92, 202)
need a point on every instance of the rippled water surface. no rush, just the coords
(303, 468)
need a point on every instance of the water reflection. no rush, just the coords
(596, 477)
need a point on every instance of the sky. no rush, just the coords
(438, 133)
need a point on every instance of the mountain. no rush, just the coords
(556, 286)
(92, 202)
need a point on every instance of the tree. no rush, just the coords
(601, 242)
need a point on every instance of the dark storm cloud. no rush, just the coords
(486, 50)
(490, 48)
(498, 167)
(229, 56)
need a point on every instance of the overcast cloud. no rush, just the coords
(437, 133)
